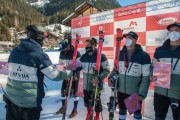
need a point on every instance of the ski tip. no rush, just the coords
(118, 30)
(119, 33)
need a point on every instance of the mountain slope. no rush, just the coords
(18, 13)
(59, 5)
(59, 9)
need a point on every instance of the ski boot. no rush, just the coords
(73, 113)
(96, 118)
(89, 116)
(60, 111)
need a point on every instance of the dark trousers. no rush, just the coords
(122, 106)
(14, 112)
(64, 88)
(161, 106)
(89, 101)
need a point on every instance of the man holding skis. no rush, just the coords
(28, 65)
(65, 58)
(134, 67)
(88, 61)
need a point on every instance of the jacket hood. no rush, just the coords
(29, 45)
(166, 44)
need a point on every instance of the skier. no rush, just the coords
(65, 58)
(28, 65)
(88, 61)
(134, 67)
(169, 52)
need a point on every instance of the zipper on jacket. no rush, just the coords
(125, 81)
(167, 92)
(125, 76)
(176, 64)
(88, 76)
(130, 67)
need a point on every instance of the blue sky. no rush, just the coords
(129, 2)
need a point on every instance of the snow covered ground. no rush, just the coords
(52, 103)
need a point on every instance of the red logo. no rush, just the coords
(133, 23)
(80, 22)
(167, 21)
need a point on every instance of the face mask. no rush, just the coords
(174, 36)
(89, 49)
(128, 42)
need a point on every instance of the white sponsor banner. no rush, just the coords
(157, 7)
(84, 32)
(101, 18)
(156, 38)
(108, 40)
(136, 25)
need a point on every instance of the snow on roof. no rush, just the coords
(64, 28)
(68, 17)
(83, 5)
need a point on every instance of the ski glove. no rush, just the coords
(96, 80)
(110, 82)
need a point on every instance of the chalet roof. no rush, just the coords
(78, 11)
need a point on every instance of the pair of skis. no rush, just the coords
(97, 67)
(112, 102)
(70, 83)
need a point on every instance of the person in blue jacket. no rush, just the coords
(28, 65)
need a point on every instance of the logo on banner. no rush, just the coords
(167, 21)
(129, 12)
(100, 18)
(133, 23)
(80, 22)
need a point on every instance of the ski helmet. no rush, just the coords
(36, 32)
